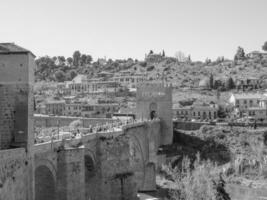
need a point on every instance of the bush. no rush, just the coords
(203, 182)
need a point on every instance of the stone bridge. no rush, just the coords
(97, 166)
(108, 165)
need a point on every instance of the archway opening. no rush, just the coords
(90, 177)
(45, 187)
(153, 114)
(89, 168)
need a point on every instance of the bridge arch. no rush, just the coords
(138, 159)
(90, 174)
(45, 180)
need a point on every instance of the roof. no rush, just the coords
(8, 48)
(248, 96)
(55, 102)
(79, 78)
(257, 108)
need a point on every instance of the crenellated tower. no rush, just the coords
(154, 100)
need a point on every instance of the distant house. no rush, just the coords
(257, 54)
(129, 79)
(196, 111)
(243, 101)
(248, 83)
(54, 107)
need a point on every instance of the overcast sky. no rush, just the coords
(130, 28)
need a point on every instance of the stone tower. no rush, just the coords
(16, 96)
(155, 100)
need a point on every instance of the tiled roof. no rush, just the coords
(6, 48)
(248, 96)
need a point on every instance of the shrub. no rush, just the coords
(203, 182)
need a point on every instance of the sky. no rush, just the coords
(120, 29)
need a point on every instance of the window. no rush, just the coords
(198, 113)
(237, 102)
(245, 101)
(250, 103)
(194, 113)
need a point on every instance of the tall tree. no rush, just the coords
(70, 61)
(89, 59)
(264, 47)
(211, 81)
(230, 84)
(61, 60)
(163, 53)
(76, 58)
(72, 74)
(83, 59)
(240, 54)
(60, 76)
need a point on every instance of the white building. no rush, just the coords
(243, 101)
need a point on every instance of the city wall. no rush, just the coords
(54, 121)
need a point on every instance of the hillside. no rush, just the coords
(181, 74)
(239, 152)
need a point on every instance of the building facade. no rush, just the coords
(197, 112)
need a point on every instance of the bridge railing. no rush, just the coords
(109, 129)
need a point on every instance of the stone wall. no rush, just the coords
(188, 126)
(7, 108)
(54, 121)
(103, 166)
(13, 174)
(156, 99)
(16, 100)
(117, 175)
(70, 175)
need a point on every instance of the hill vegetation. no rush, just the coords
(179, 70)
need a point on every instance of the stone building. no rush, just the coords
(248, 83)
(196, 111)
(16, 122)
(154, 99)
(55, 107)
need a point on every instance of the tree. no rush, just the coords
(211, 81)
(72, 74)
(44, 63)
(83, 59)
(198, 180)
(207, 61)
(89, 59)
(189, 59)
(151, 52)
(61, 60)
(76, 58)
(60, 76)
(70, 61)
(230, 84)
(264, 47)
(240, 54)
(163, 53)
